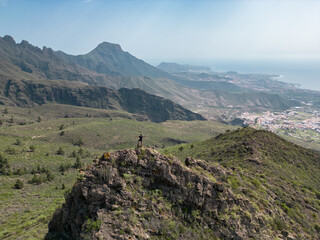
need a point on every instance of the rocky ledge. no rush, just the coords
(142, 194)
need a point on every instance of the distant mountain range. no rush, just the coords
(110, 59)
(109, 66)
(175, 68)
(25, 71)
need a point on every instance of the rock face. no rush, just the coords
(141, 194)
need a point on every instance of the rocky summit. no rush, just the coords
(142, 194)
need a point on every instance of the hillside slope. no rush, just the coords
(142, 194)
(157, 109)
(281, 178)
(253, 100)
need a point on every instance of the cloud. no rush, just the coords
(87, 1)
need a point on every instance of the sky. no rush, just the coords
(176, 29)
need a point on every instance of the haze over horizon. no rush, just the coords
(164, 30)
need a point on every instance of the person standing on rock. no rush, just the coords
(140, 140)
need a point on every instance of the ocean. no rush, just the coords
(305, 73)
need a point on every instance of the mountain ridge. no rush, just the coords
(150, 195)
(108, 188)
(24, 61)
(157, 109)
(123, 63)
(172, 67)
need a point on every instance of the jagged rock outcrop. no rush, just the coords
(142, 194)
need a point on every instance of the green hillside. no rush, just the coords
(48, 140)
(251, 185)
(281, 178)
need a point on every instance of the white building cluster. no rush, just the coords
(291, 119)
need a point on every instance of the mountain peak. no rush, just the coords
(108, 46)
(9, 39)
(109, 58)
(25, 43)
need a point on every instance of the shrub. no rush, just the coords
(73, 154)
(1, 122)
(104, 173)
(189, 185)
(234, 182)
(18, 142)
(37, 179)
(5, 111)
(61, 127)
(318, 195)
(39, 170)
(32, 148)
(19, 171)
(93, 225)
(127, 177)
(50, 176)
(10, 151)
(279, 224)
(83, 153)
(181, 148)
(256, 183)
(79, 142)
(4, 166)
(62, 133)
(66, 193)
(78, 163)
(64, 167)
(60, 151)
(3, 162)
(19, 184)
